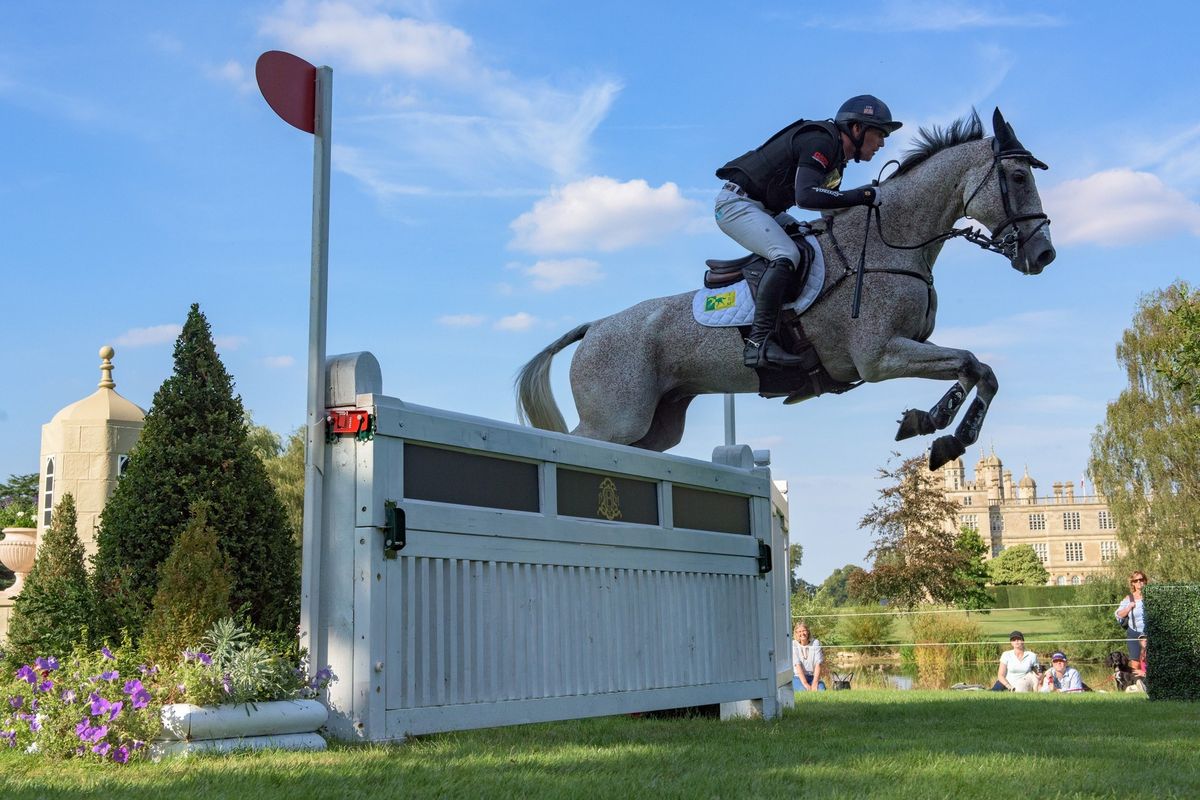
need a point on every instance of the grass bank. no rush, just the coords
(909, 745)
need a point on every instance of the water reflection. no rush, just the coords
(896, 675)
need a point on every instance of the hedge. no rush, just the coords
(1032, 596)
(1173, 639)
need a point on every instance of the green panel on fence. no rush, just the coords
(469, 479)
(615, 498)
(710, 511)
(1173, 641)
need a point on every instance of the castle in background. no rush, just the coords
(1073, 535)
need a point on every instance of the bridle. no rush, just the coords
(1009, 245)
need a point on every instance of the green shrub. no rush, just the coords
(193, 592)
(52, 614)
(1173, 639)
(1093, 627)
(194, 446)
(865, 626)
(1034, 597)
(954, 629)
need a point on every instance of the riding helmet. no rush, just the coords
(870, 111)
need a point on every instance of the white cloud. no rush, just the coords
(477, 116)
(521, 321)
(369, 40)
(1117, 207)
(229, 342)
(235, 75)
(146, 337)
(600, 213)
(279, 362)
(461, 320)
(551, 275)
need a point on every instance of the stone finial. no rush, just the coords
(106, 367)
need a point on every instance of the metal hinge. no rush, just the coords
(764, 558)
(357, 422)
(395, 531)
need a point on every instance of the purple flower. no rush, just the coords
(34, 725)
(138, 744)
(45, 686)
(46, 664)
(121, 754)
(102, 748)
(138, 696)
(189, 655)
(111, 675)
(68, 696)
(16, 701)
(114, 710)
(204, 658)
(227, 683)
(104, 651)
(148, 670)
(89, 733)
(26, 673)
(11, 736)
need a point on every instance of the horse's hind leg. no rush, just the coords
(666, 430)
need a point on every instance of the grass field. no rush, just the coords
(909, 745)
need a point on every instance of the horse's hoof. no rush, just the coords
(944, 450)
(915, 423)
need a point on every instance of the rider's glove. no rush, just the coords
(877, 201)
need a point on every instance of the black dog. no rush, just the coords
(1118, 662)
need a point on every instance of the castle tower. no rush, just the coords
(85, 449)
(1027, 489)
(955, 475)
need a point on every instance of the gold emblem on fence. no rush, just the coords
(610, 501)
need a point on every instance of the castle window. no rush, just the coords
(48, 493)
(997, 523)
(1061, 581)
(967, 500)
(969, 521)
(122, 466)
(1043, 551)
(1071, 521)
(1037, 522)
(1074, 552)
(1106, 521)
(1075, 580)
(1108, 551)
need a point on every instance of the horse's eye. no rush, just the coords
(1019, 177)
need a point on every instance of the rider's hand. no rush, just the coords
(877, 201)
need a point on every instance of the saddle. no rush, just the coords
(810, 379)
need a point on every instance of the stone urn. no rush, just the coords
(17, 550)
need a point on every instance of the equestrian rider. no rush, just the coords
(801, 165)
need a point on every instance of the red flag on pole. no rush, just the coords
(289, 85)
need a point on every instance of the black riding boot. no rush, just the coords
(762, 350)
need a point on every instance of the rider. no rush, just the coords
(801, 165)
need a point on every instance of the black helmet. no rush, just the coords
(870, 111)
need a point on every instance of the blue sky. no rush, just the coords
(503, 173)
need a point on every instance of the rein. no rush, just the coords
(1008, 245)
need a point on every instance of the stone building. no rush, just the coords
(85, 449)
(1073, 534)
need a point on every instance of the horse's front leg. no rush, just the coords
(905, 358)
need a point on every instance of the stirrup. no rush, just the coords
(768, 355)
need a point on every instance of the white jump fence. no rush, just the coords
(472, 573)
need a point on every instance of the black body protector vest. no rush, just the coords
(768, 173)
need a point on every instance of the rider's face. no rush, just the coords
(872, 143)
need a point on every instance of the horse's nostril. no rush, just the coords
(1045, 257)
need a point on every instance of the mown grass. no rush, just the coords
(853, 744)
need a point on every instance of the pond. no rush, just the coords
(895, 675)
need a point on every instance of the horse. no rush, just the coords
(635, 372)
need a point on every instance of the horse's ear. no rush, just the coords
(998, 122)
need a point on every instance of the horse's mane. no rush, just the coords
(934, 139)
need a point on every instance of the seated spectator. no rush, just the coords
(1018, 667)
(1060, 677)
(808, 661)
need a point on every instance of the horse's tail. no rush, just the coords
(535, 399)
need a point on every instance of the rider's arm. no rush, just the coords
(817, 161)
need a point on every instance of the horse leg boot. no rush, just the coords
(762, 351)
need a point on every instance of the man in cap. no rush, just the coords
(1060, 677)
(802, 166)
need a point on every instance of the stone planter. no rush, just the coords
(17, 551)
(278, 725)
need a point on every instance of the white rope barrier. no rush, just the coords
(953, 644)
(898, 613)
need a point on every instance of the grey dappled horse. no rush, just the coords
(635, 372)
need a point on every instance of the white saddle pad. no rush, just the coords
(732, 306)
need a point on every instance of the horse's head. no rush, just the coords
(1005, 198)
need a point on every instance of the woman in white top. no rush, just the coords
(1018, 668)
(1132, 614)
(808, 661)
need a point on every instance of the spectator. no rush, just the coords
(1131, 615)
(1140, 668)
(808, 661)
(1018, 667)
(1060, 677)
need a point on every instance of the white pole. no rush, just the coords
(730, 430)
(318, 305)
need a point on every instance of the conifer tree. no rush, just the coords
(55, 608)
(193, 447)
(193, 592)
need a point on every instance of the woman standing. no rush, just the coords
(1132, 616)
